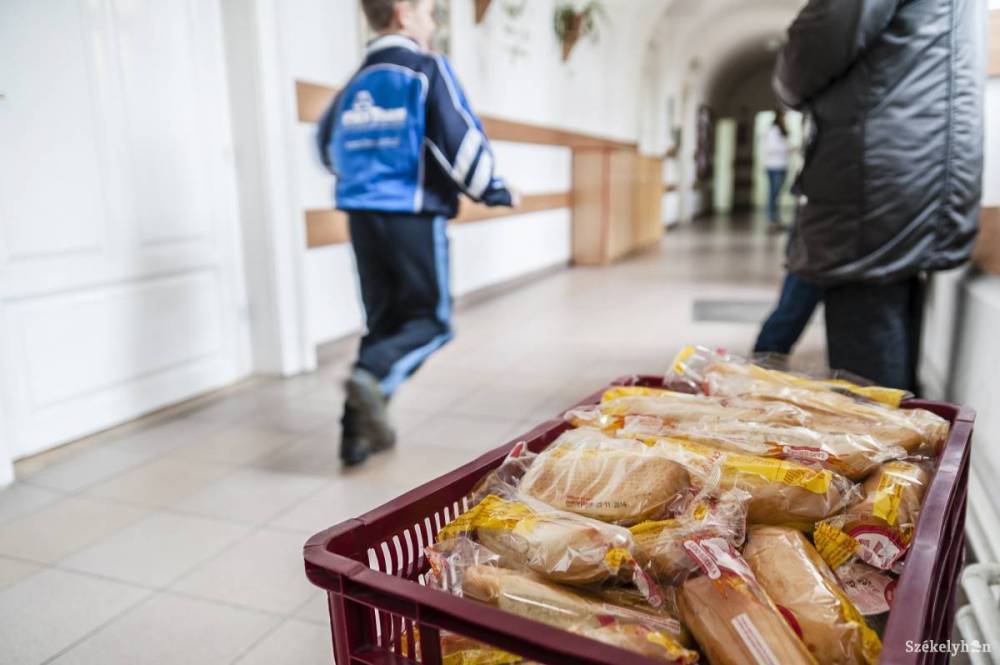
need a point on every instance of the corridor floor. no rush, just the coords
(177, 539)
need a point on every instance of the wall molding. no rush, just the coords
(312, 99)
(326, 226)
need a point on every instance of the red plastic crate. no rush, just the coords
(372, 568)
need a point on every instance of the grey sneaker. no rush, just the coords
(365, 396)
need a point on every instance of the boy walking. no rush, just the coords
(403, 142)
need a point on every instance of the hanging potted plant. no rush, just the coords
(571, 24)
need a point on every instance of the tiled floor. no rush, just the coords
(178, 539)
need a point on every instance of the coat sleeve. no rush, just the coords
(824, 42)
(455, 138)
(324, 134)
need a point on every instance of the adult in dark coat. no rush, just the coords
(892, 177)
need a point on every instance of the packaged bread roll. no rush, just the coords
(622, 485)
(719, 373)
(799, 582)
(650, 634)
(781, 491)
(877, 528)
(562, 546)
(730, 615)
(661, 546)
(755, 427)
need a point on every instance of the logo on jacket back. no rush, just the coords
(365, 113)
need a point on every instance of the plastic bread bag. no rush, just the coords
(731, 616)
(680, 407)
(615, 615)
(561, 546)
(618, 484)
(870, 590)
(719, 373)
(781, 492)
(751, 427)
(662, 546)
(504, 479)
(460, 650)
(534, 598)
(800, 583)
(877, 528)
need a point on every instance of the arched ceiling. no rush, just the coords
(709, 40)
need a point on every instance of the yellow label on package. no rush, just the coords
(490, 513)
(888, 396)
(888, 496)
(835, 546)
(685, 353)
(484, 656)
(634, 391)
(674, 649)
(617, 557)
(780, 471)
(871, 645)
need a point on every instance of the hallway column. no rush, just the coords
(262, 102)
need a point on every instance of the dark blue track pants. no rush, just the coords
(403, 267)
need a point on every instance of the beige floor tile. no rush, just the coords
(315, 609)
(344, 498)
(163, 436)
(261, 571)
(64, 527)
(297, 418)
(46, 613)
(476, 434)
(410, 464)
(237, 444)
(251, 495)
(172, 629)
(314, 454)
(15, 570)
(162, 483)
(294, 641)
(21, 498)
(156, 550)
(88, 467)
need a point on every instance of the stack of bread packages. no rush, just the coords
(738, 515)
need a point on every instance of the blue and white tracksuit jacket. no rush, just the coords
(401, 136)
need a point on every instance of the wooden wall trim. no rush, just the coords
(313, 98)
(326, 227)
(469, 211)
(329, 227)
(986, 254)
(994, 43)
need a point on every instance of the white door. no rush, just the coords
(120, 269)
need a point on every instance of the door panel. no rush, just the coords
(120, 289)
(51, 191)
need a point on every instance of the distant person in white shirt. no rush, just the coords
(777, 151)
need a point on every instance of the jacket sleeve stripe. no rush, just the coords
(483, 175)
(467, 153)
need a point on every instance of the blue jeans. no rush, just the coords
(775, 183)
(795, 307)
(873, 330)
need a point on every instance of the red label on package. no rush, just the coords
(878, 546)
(869, 589)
